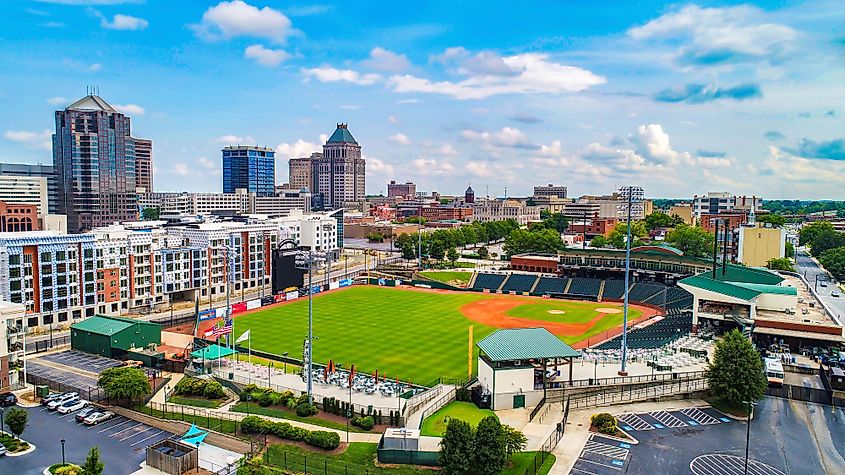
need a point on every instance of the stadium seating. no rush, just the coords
(641, 292)
(584, 287)
(673, 326)
(519, 283)
(488, 281)
(550, 285)
(613, 289)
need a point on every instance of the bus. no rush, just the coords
(774, 371)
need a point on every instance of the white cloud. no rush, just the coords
(34, 140)
(379, 167)
(330, 74)
(507, 137)
(121, 22)
(266, 56)
(531, 73)
(212, 167)
(653, 143)
(180, 169)
(232, 139)
(385, 60)
(489, 169)
(430, 166)
(130, 109)
(300, 148)
(408, 101)
(58, 100)
(350, 107)
(95, 67)
(713, 36)
(392, 119)
(238, 18)
(482, 63)
(400, 139)
(447, 150)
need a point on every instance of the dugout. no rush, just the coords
(516, 366)
(113, 337)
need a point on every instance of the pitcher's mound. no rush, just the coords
(608, 310)
(556, 312)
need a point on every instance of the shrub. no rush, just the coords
(67, 470)
(253, 424)
(305, 410)
(265, 399)
(604, 422)
(462, 395)
(365, 423)
(213, 390)
(323, 439)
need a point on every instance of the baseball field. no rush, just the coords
(414, 334)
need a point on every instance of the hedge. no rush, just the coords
(208, 388)
(318, 438)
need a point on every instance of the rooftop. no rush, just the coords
(101, 325)
(92, 102)
(525, 344)
(342, 135)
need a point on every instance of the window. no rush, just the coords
(14, 259)
(46, 257)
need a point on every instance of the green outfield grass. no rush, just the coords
(415, 336)
(575, 312)
(447, 277)
(435, 424)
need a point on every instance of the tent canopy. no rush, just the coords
(213, 352)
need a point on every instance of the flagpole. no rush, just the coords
(249, 352)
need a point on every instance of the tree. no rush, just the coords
(809, 232)
(833, 261)
(659, 220)
(483, 252)
(490, 455)
(437, 250)
(789, 250)
(826, 239)
(151, 213)
(775, 220)
(456, 447)
(598, 241)
(693, 241)
(93, 465)
(545, 241)
(453, 255)
(515, 441)
(780, 263)
(619, 234)
(124, 382)
(555, 221)
(736, 373)
(16, 420)
(375, 237)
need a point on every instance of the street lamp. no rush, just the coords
(2, 420)
(309, 260)
(270, 367)
(633, 196)
(285, 354)
(63, 451)
(751, 406)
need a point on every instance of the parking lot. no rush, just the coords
(786, 437)
(79, 382)
(121, 441)
(83, 361)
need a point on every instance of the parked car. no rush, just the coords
(54, 404)
(52, 397)
(81, 415)
(2, 449)
(823, 284)
(71, 406)
(8, 399)
(97, 417)
(834, 294)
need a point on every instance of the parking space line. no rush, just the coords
(699, 416)
(606, 450)
(113, 426)
(667, 419)
(600, 464)
(146, 438)
(636, 422)
(136, 434)
(578, 470)
(126, 429)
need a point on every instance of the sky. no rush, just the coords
(679, 98)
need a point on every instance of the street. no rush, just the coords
(807, 267)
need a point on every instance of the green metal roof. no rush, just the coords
(703, 281)
(750, 275)
(341, 134)
(768, 289)
(212, 352)
(525, 344)
(101, 325)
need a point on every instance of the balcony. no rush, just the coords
(14, 331)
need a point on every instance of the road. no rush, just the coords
(810, 269)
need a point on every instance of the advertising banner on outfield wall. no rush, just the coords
(315, 289)
(334, 285)
(221, 312)
(253, 304)
(238, 307)
(279, 298)
(345, 282)
(209, 314)
(267, 300)
(292, 295)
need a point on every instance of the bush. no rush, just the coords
(213, 390)
(305, 410)
(68, 469)
(365, 423)
(462, 395)
(208, 388)
(265, 399)
(253, 424)
(323, 439)
(604, 422)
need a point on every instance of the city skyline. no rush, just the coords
(682, 99)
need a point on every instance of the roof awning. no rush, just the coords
(213, 352)
(525, 344)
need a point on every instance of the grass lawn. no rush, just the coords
(12, 444)
(574, 312)
(723, 406)
(360, 457)
(291, 368)
(253, 408)
(435, 424)
(415, 336)
(196, 401)
(215, 423)
(448, 277)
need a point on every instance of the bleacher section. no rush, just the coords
(488, 281)
(673, 326)
(584, 287)
(519, 283)
(641, 292)
(678, 298)
(550, 285)
(614, 289)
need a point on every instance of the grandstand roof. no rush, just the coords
(740, 282)
(525, 344)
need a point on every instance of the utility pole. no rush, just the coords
(629, 193)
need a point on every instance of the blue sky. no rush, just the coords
(681, 98)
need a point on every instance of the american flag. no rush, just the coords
(217, 332)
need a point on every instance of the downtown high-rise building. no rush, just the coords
(94, 162)
(339, 175)
(250, 168)
(35, 170)
(144, 165)
(299, 172)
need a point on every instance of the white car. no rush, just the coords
(98, 417)
(54, 404)
(72, 406)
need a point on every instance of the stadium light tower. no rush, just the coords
(633, 196)
(310, 260)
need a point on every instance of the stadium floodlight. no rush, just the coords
(633, 200)
(310, 260)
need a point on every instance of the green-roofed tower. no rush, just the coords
(339, 175)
